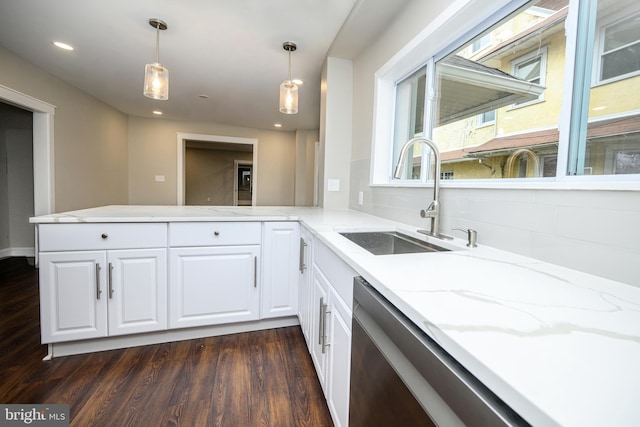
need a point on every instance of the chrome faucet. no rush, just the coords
(433, 210)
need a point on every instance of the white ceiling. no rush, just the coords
(229, 50)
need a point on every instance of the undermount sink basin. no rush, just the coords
(391, 242)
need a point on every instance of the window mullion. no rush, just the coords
(579, 116)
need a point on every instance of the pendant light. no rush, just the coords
(156, 77)
(288, 89)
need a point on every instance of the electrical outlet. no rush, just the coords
(333, 185)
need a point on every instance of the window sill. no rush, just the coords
(568, 183)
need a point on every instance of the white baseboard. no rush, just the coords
(124, 341)
(14, 252)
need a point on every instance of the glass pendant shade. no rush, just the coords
(156, 81)
(288, 97)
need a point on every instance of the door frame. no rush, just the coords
(237, 163)
(43, 171)
(182, 138)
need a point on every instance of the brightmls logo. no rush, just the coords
(37, 415)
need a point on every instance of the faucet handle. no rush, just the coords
(472, 236)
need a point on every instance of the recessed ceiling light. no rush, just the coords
(298, 82)
(277, 125)
(203, 96)
(63, 46)
(602, 107)
(157, 112)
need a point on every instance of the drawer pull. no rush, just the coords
(104, 235)
(216, 233)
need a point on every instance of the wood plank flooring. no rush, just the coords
(263, 378)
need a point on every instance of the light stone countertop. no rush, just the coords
(559, 346)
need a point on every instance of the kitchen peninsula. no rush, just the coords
(560, 347)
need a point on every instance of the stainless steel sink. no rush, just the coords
(391, 242)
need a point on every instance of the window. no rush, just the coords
(487, 118)
(481, 43)
(620, 49)
(481, 101)
(532, 68)
(409, 120)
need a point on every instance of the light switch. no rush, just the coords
(360, 198)
(333, 185)
(159, 178)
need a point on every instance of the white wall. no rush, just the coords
(305, 158)
(336, 131)
(592, 231)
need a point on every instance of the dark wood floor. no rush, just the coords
(261, 378)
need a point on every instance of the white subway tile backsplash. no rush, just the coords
(596, 225)
(592, 231)
(603, 260)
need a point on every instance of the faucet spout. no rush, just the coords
(433, 211)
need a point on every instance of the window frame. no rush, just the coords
(598, 52)
(458, 25)
(527, 57)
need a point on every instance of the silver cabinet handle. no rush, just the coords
(255, 271)
(98, 290)
(301, 265)
(324, 326)
(110, 282)
(320, 325)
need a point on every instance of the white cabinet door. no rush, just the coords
(137, 290)
(213, 285)
(304, 276)
(73, 297)
(319, 306)
(280, 249)
(339, 340)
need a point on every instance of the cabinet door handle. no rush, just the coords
(98, 290)
(320, 324)
(255, 271)
(324, 327)
(302, 266)
(110, 271)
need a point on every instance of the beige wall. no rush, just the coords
(90, 137)
(210, 175)
(153, 151)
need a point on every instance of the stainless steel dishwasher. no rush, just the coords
(401, 377)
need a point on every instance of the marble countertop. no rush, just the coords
(559, 346)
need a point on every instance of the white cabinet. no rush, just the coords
(213, 285)
(280, 255)
(339, 339)
(329, 341)
(305, 263)
(214, 270)
(318, 304)
(136, 291)
(73, 301)
(97, 293)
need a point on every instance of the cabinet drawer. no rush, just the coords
(80, 237)
(214, 233)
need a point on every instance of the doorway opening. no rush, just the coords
(41, 180)
(243, 183)
(217, 170)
